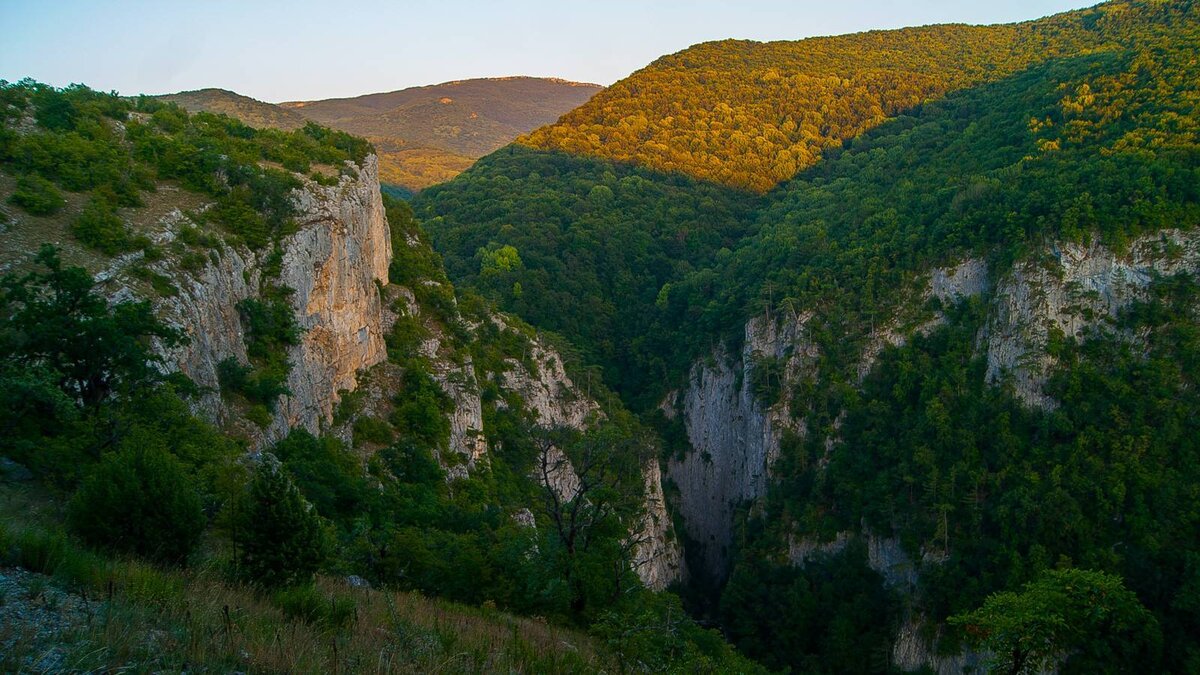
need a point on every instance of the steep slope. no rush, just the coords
(250, 111)
(750, 115)
(429, 442)
(957, 350)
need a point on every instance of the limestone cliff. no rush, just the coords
(735, 437)
(1072, 289)
(334, 263)
(535, 374)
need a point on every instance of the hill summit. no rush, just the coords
(424, 135)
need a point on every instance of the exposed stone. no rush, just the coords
(332, 263)
(548, 392)
(1072, 288)
(1075, 289)
(734, 439)
(657, 558)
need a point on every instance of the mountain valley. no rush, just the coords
(867, 353)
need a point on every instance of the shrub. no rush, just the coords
(139, 500)
(311, 606)
(100, 227)
(37, 196)
(329, 476)
(262, 386)
(280, 539)
(372, 430)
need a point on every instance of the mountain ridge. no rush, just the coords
(424, 135)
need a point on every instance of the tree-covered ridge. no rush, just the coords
(115, 149)
(1098, 143)
(750, 115)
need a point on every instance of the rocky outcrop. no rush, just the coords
(334, 263)
(547, 391)
(733, 435)
(1073, 289)
(556, 401)
(657, 557)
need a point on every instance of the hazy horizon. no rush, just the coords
(305, 51)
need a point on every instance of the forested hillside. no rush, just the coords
(750, 114)
(1044, 156)
(144, 247)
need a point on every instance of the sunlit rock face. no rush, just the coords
(334, 263)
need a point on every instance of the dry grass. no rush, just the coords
(146, 618)
(23, 234)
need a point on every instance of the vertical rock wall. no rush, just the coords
(332, 263)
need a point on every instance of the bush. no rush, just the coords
(100, 227)
(139, 500)
(311, 606)
(262, 387)
(280, 539)
(326, 474)
(49, 552)
(37, 196)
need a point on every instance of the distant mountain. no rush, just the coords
(425, 135)
(428, 135)
(253, 112)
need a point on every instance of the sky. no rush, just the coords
(277, 50)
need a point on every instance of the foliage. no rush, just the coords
(55, 320)
(271, 328)
(961, 468)
(750, 114)
(587, 547)
(140, 500)
(280, 539)
(658, 636)
(990, 143)
(37, 196)
(421, 409)
(830, 615)
(590, 269)
(329, 477)
(114, 147)
(99, 227)
(1071, 620)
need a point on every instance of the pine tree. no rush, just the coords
(280, 539)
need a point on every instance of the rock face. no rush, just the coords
(333, 263)
(1074, 289)
(553, 399)
(735, 438)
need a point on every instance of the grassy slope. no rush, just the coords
(140, 617)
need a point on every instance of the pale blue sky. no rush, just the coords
(279, 50)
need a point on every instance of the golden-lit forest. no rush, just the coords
(750, 114)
